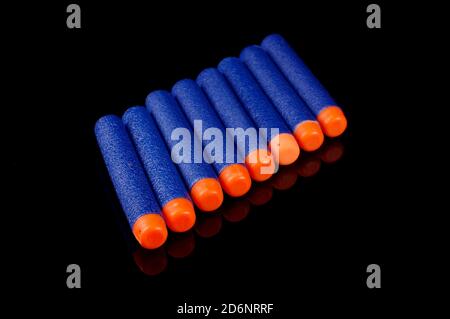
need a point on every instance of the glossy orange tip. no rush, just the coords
(332, 120)
(309, 135)
(260, 164)
(150, 231)
(284, 148)
(179, 214)
(207, 194)
(235, 180)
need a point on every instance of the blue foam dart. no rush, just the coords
(132, 187)
(330, 116)
(258, 159)
(169, 188)
(233, 177)
(200, 178)
(282, 145)
(296, 113)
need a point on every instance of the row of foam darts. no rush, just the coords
(267, 87)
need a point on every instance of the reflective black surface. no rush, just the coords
(301, 241)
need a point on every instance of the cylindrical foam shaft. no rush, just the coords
(200, 177)
(234, 178)
(130, 182)
(169, 188)
(258, 160)
(306, 84)
(260, 109)
(293, 109)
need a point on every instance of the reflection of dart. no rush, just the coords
(208, 225)
(260, 193)
(286, 178)
(308, 165)
(181, 245)
(332, 152)
(150, 262)
(236, 210)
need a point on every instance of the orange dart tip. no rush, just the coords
(260, 164)
(207, 194)
(179, 214)
(309, 135)
(332, 120)
(235, 180)
(150, 230)
(284, 148)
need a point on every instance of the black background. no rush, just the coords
(307, 249)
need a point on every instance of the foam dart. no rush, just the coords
(282, 145)
(169, 188)
(130, 182)
(258, 159)
(233, 176)
(293, 109)
(330, 116)
(200, 178)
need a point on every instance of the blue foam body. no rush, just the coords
(253, 98)
(126, 171)
(152, 150)
(196, 106)
(228, 106)
(293, 109)
(168, 116)
(299, 75)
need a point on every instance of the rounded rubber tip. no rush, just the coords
(332, 120)
(179, 214)
(260, 164)
(235, 180)
(207, 194)
(150, 230)
(309, 135)
(284, 148)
